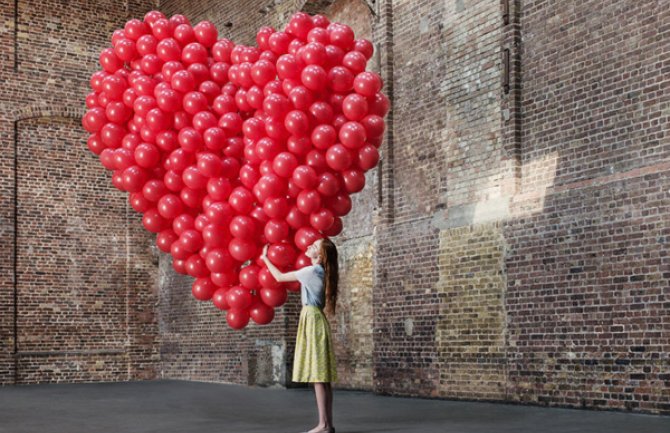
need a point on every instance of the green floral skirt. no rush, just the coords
(314, 359)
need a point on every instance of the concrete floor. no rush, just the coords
(168, 406)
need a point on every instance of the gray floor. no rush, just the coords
(195, 407)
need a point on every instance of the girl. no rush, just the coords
(314, 359)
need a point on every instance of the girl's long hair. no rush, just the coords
(328, 255)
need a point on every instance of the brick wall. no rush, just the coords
(512, 245)
(76, 300)
(587, 265)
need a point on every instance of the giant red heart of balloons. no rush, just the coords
(224, 148)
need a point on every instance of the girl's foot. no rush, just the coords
(322, 429)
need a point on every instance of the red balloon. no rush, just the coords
(365, 47)
(341, 79)
(147, 155)
(215, 235)
(153, 222)
(267, 148)
(334, 229)
(297, 123)
(243, 227)
(281, 254)
(193, 178)
(296, 219)
(221, 50)
(94, 119)
(154, 189)
(182, 223)
(135, 28)
(209, 164)
(355, 107)
(249, 277)
(354, 180)
(219, 213)
(239, 297)
(194, 102)
(237, 318)
(179, 265)
(322, 112)
(161, 28)
(241, 199)
(318, 34)
(305, 237)
(191, 240)
(261, 313)
(316, 160)
(368, 157)
(276, 231)
(314, 77)
(183, 81)
(112, 135)
(278, 42)
(225, 279)
(179, 252)
(241, 250)
(269, 185)
(305, 177)
(339, 204)
(284, 164)
(134, 178)
(95, 144)
(300, 25)
(219, 298)
(262, 37)
(191, 198)
(194, 52)
(203, 289)
(338, 157)
(276, 106)
(334, 55)
(165, 239)
(287, 67)
(324, 136)
(275, 297)
(367, 83)
(322, 219)
(275, 207)
(263, 72)
(308, 201)
(139, 202)
(219, 188)
(328, 184)
(341, 35)
(355, 61)
(218, 260)
(352, 135)
(314, 53)
(195, 266)
(109, 61)
(206, 33)
(146, 44)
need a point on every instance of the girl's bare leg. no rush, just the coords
(320, 389)
(329, 395)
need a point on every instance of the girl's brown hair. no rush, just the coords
(328, 254)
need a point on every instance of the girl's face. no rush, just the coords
(313, 251)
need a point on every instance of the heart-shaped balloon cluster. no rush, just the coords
(226, 147)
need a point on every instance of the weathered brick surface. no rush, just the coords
(471, 329)
(82, 282)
